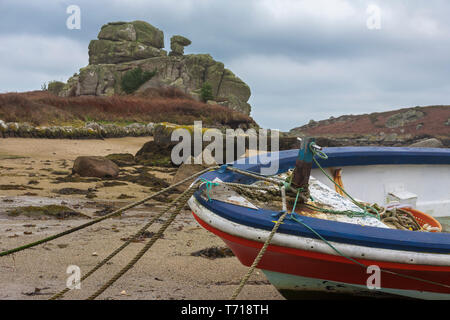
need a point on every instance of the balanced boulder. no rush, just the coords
(177, 44)
(99, 167)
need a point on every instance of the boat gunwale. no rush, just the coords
(340, 232)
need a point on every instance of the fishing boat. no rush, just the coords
(313, 256)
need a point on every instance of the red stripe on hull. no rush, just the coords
(334, 268)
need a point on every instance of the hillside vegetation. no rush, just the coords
(391, 128)
(153, 105)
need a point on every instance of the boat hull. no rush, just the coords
(343, 260)
(298, 273)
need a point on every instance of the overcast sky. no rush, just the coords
(303, 59)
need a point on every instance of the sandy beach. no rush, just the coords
(30, 175)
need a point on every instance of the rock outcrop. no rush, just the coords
(428, 143)
(98, 167)
(124, 46)
(428, 126)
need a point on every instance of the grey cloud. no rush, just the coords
(308, 59)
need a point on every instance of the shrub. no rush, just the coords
(55, 87)
(206, 92)
(134, 78)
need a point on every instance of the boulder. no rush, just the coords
(428, 143)
(118, 32)
(154, 154)
(403, 118)
(126, 41)
(233, 86)
(113, 52)
(139, 31)
(177, 44)
(180, 40)
(93, 166)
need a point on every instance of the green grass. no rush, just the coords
(4, 156)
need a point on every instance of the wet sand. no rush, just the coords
(167, 271)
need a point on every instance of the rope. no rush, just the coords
(289, 187)
(402, 219)
(296, 199)
(115, 213)
(361, 264)
(183, 199)
(209, 185)
(247, 186)
(257, 176)
(325, 240)
(264, 248)
(322, 155)
(260, 176)
(258, 257)
(349, 213)
(123, 246)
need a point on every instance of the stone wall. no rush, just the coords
(91, 130)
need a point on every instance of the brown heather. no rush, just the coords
(152, 105)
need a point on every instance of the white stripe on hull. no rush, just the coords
(315, 245)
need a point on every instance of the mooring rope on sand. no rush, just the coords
(183, 198)
(112, 214)
(123, 246)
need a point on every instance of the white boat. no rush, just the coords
(319, 258)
